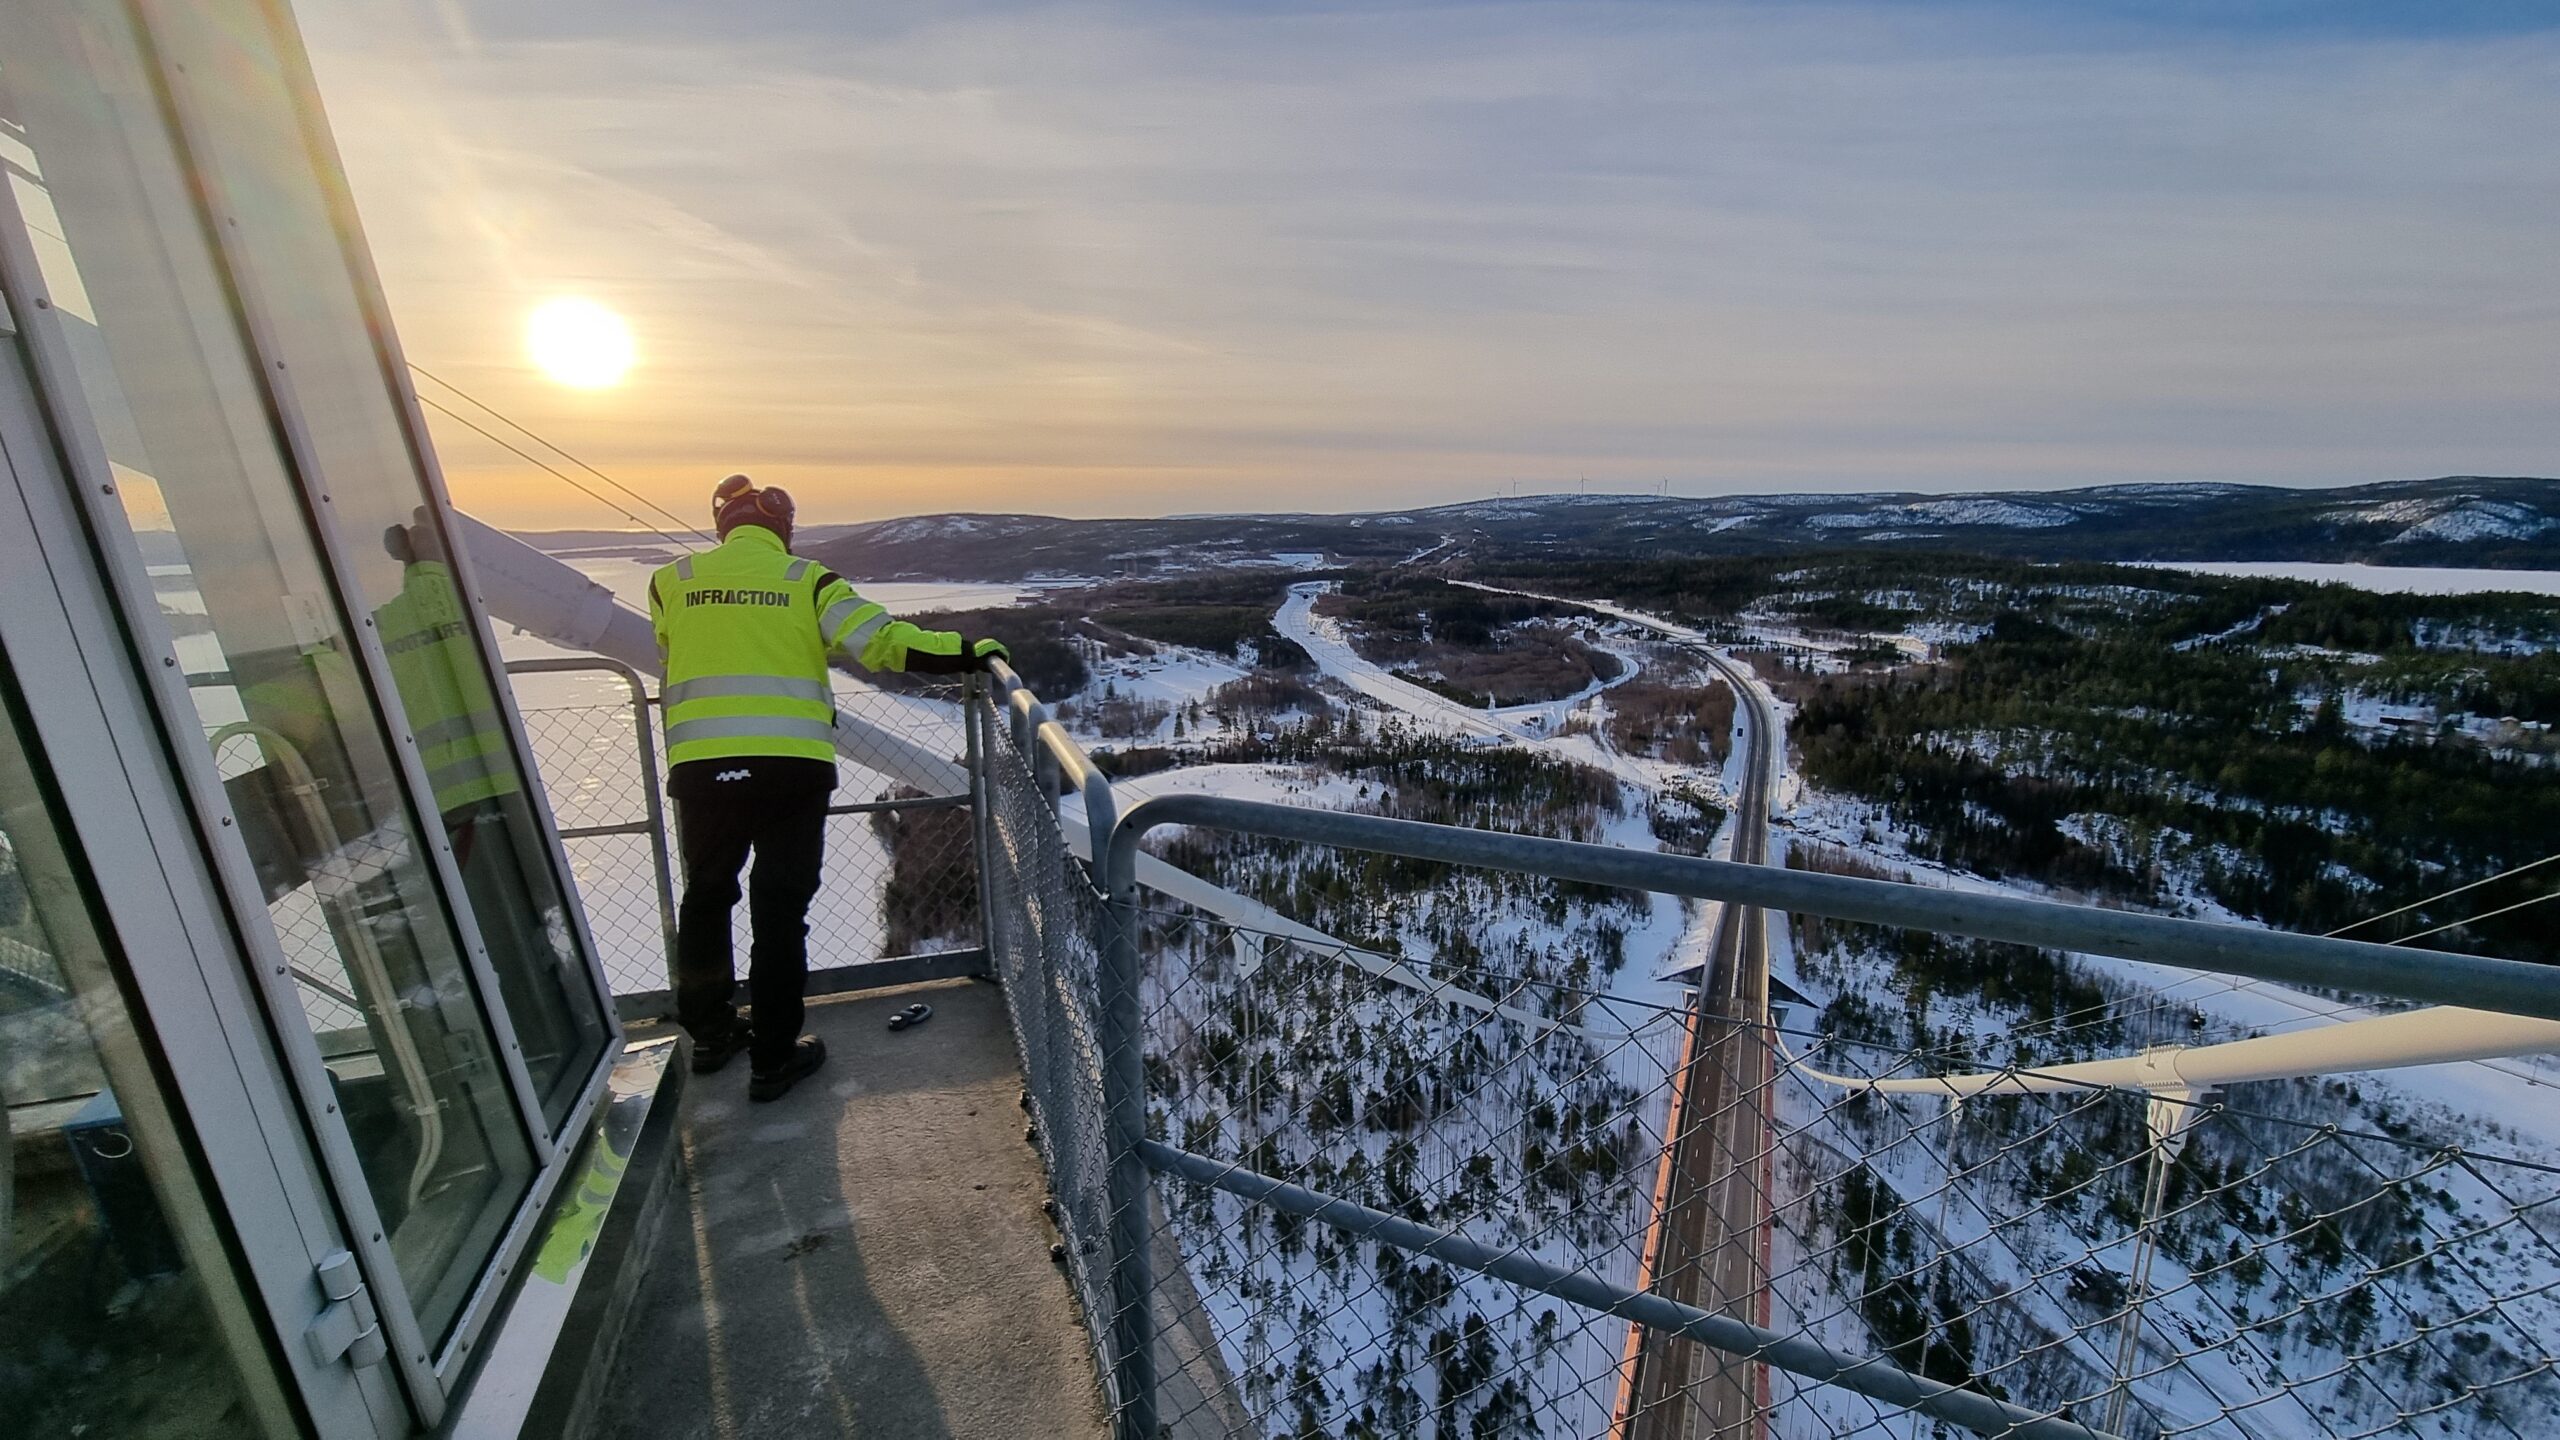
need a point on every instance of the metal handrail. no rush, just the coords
(2526, 997)
(2402, 972)
(1130, 1345)
(1873, 1377)
(1037, 733)
(2482, 983)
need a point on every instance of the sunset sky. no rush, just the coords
(1134, 258)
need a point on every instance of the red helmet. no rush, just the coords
(737, 502)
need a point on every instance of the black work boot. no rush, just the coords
(713, 1055)
(807, 1054)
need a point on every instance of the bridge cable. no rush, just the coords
(589, 491)
(528, 431)
(2162, 997)
(2447, 895)
(2472, 919)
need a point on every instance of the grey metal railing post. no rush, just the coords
(1028, 716)
(652, 800)
(1044, 765)
(1021, 708)
(973, 719)
(1124, 1120)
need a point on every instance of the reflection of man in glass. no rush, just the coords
(426, 635)
(429, 641)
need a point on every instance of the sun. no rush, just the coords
(579, 343)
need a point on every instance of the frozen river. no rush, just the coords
(2384, 579)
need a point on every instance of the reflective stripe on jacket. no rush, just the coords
(746, 628)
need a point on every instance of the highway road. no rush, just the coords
(1708, 1244)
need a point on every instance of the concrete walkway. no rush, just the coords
(864, 1257)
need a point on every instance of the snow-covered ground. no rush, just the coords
(1241, 1275)
(1168, 678)
(2496, 1104)
(2499, 1104)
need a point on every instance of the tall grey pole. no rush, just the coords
(974, 714)
(1124, 1120)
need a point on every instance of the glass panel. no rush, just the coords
(105, 1325)
(307, 299)
(282, 698)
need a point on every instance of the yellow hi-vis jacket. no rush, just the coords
(435, 662)
(746, 628)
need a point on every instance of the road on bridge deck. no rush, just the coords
(1708, 1244)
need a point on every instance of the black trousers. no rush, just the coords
(775, 808)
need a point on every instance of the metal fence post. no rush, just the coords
(654, 801)
(1124, 1120)
(1019, 706)
(973, 722)
(652, 796)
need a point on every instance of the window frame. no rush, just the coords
(194, 802)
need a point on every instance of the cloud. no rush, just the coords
(1135, 257)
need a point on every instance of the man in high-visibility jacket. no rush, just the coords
(750, 720)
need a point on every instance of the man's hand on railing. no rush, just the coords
(985, 652)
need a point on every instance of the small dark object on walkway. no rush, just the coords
(915, 1014)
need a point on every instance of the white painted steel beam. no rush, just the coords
(553, 601)
(2436, 1036)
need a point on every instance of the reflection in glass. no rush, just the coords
(294, 262)
(280, 692)
(104, 1327)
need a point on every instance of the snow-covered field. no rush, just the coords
(1283, 1299)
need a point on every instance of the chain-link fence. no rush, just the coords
(2244, 1266)
(1510, 1109)
(901, 875)
(303, 926)
(1044, 918)
(2333, 1256)
(1418, 1187)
